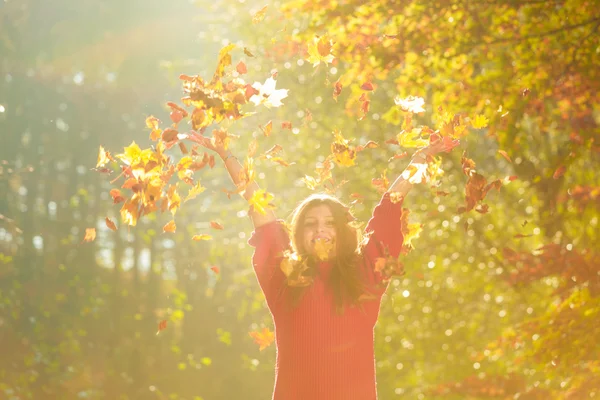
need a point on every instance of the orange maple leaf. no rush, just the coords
(90, 235)
(263, 339)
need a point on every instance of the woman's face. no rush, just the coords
(319, 225)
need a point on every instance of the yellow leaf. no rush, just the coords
(414, 231)
(170, 227)
(319, 50)
(260, 15)
(411, 138)
(103, 157)
(323, 248)
(480, 121)
(131, 155)
(90, 235)
(202, 236)
(260, 201)
(194, 191)
(129, 213)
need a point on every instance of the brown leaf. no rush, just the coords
(286, 125)
(110, 224)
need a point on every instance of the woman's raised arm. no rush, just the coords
(234, 167)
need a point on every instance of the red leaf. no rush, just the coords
(162, 325)
(337, 89)
(215, 269)
(286, 125)
(367, 86)
(241, 68)
(559, 172)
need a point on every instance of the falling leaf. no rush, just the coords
(247, 52)
(216, 225)
(116, 195)
(520, 236)
(103, 157)
(241, 68)
(479, 122)
(263, 339)
(337, 89)
(215, 269)
(202, 236)
(260, 201)
(323, 248)
(559, 172)
(505, 155)
(110, 224)
(162, 325)
(259, 15)
(286, 125)
(267, 94)
(267, 129)
(90, 235)
(411, 104)
(319, 50)
(368, 86)
(170, 226)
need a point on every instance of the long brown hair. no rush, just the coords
(344, 279)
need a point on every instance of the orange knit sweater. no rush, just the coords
(322, 355)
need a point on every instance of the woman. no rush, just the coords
(323, 288)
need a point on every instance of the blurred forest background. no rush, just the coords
(503, 304)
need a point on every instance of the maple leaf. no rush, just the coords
(260, 201)
(110, 224)
(174, 200)
(103, 157)
(293, 266)
(267, 94)
(479, 122)
(129, 212)
(162, 325)
(90, 235)
(170, 227)
(259, 15)
(319, 50)
(201, 237)
(116, 195)
(215, 269)
(131, 155)
(323, 248)
(241, 68)
(286, 125)
(343, 154)
(411, 104)
(264, 339)
(411, 138)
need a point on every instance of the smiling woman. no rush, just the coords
(323, 284)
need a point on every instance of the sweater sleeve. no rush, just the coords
(385, 235)
(269, 242)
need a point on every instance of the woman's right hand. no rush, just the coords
(207, 142)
